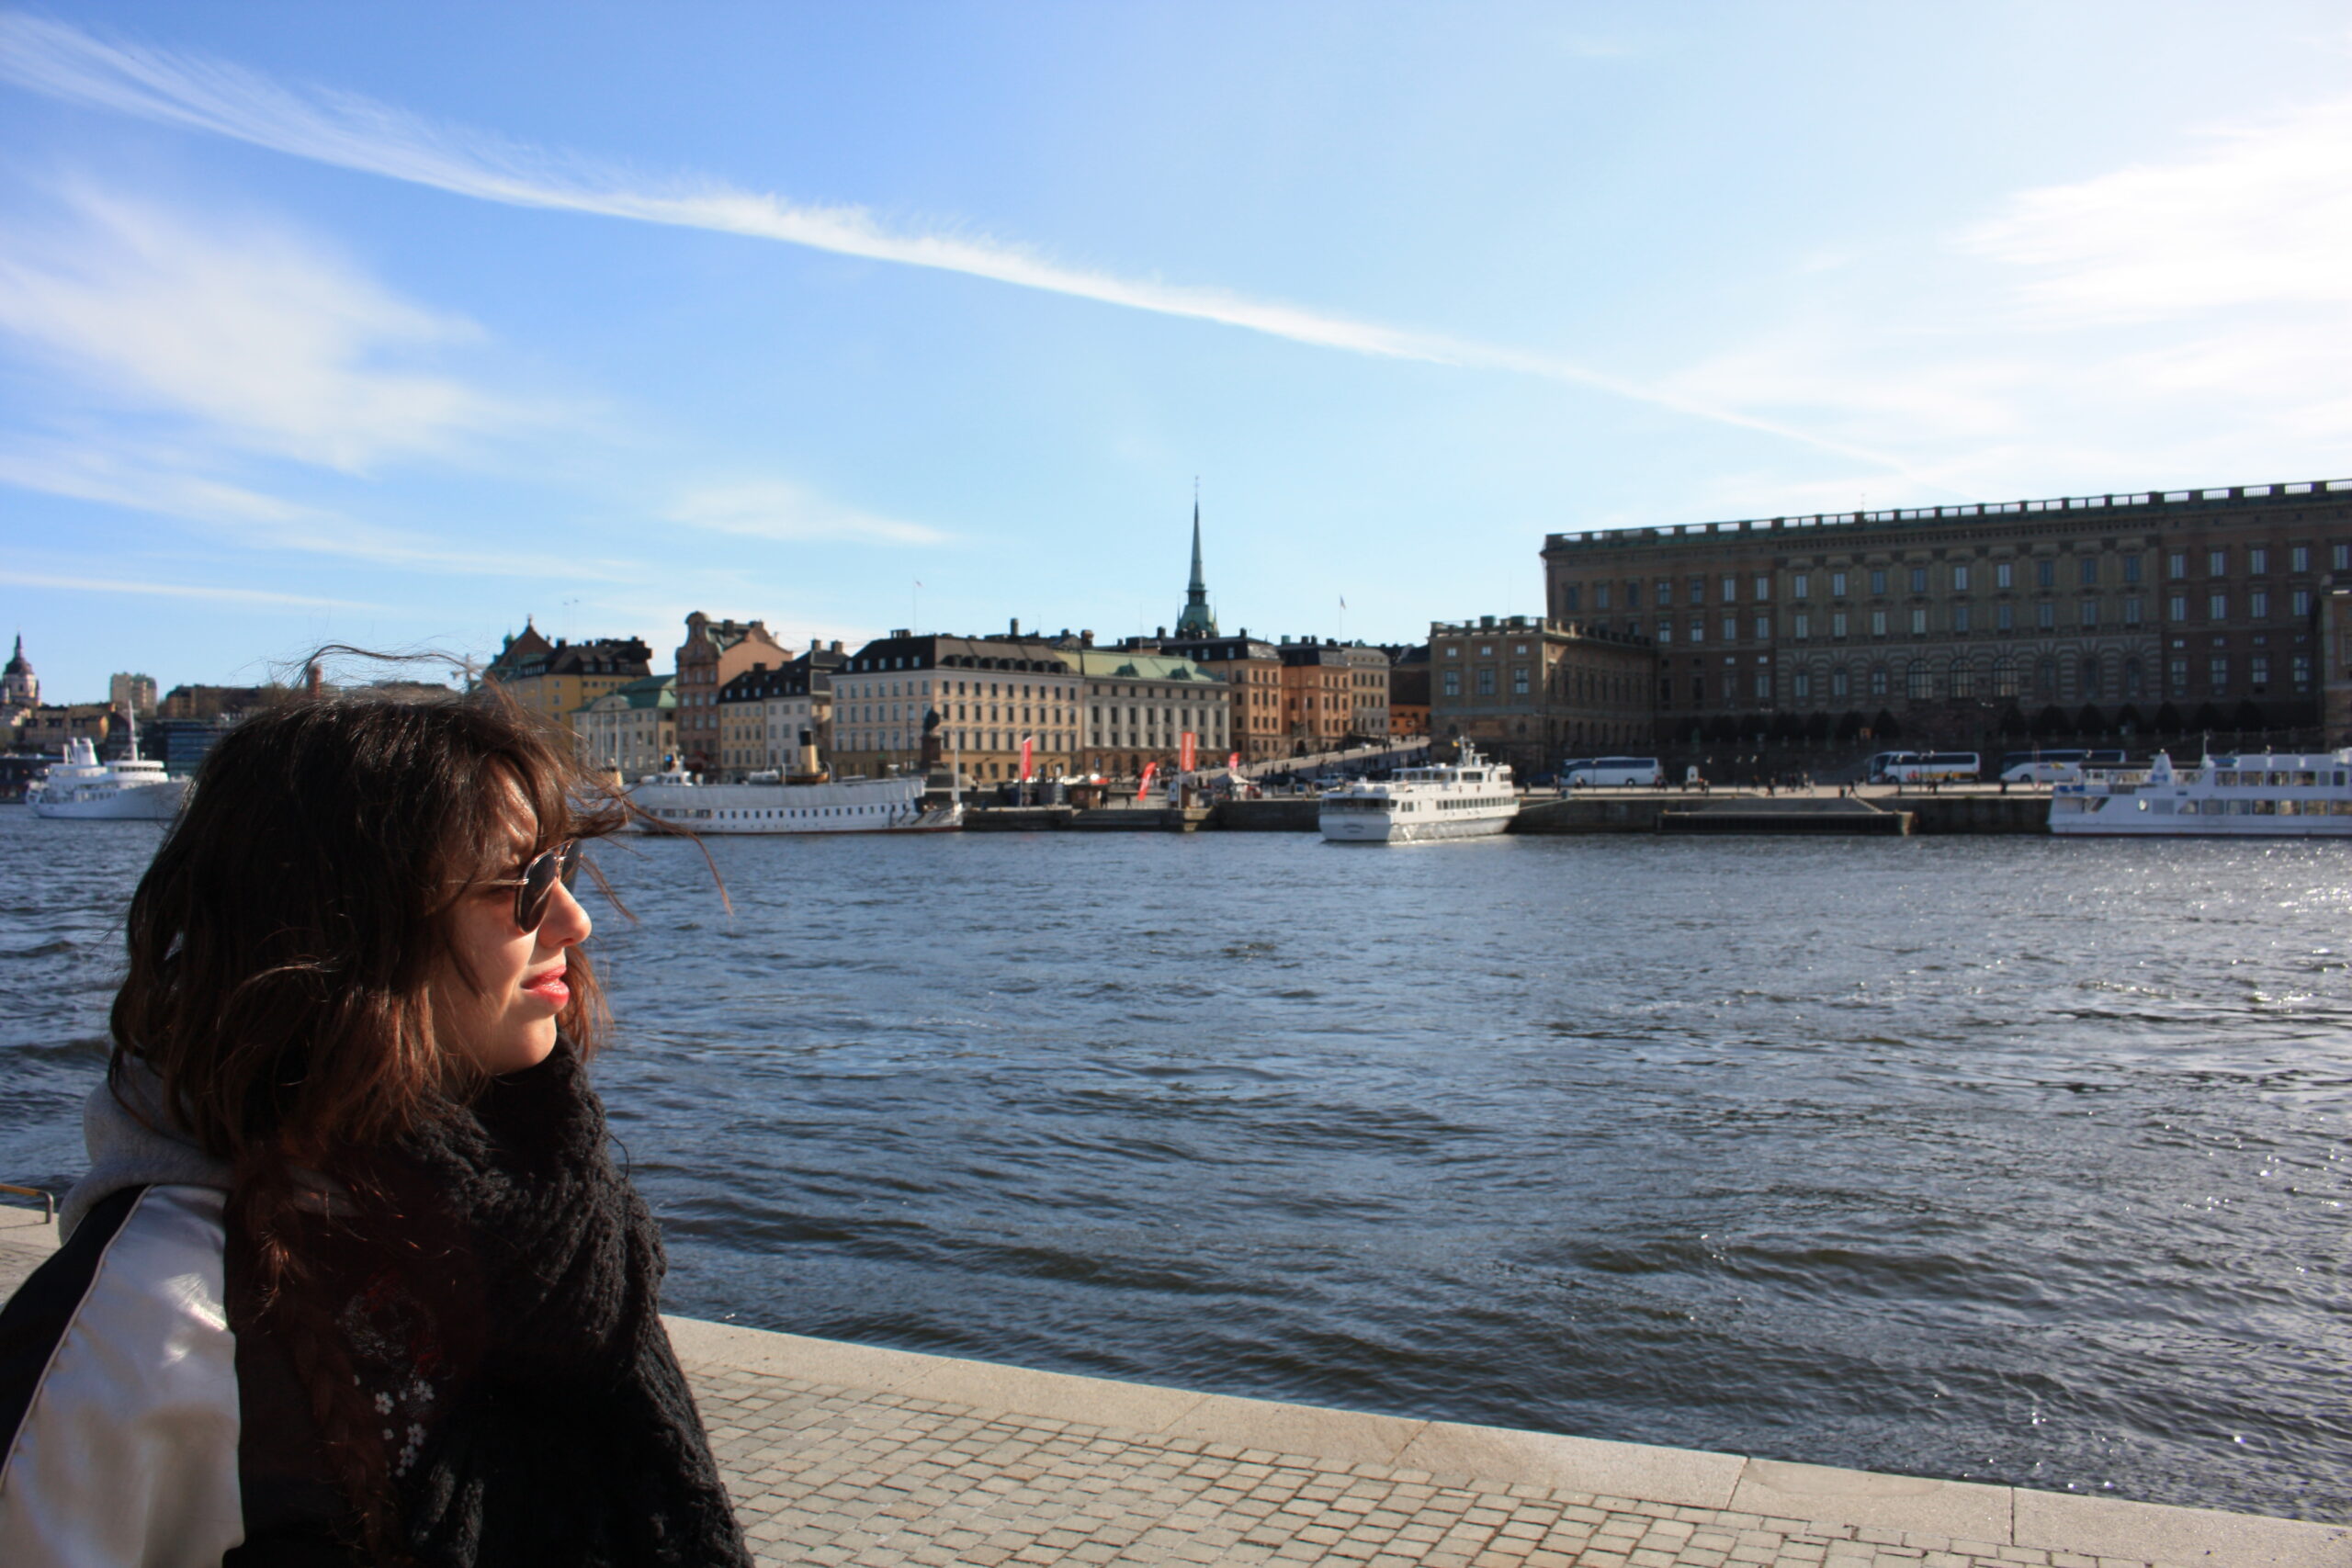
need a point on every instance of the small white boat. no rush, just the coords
(81, 788)
(1469, 798)
(851, 806)
(2268, 795)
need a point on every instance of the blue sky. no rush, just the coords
(393, 324)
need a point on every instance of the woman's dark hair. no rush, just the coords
(282, 943)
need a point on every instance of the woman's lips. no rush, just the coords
(550, 989)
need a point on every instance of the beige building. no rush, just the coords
(1530, 692)
(1139, 706)
(2166, 612)
(976, 698)
(132, 693)
(631, 729)
(48, 728)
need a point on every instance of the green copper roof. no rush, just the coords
(650, 692)
(1133, 666)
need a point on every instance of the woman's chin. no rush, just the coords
(525, 1047)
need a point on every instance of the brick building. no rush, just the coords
(2158, 612)
(216, 702)
(714, 653)
(1408, 690)
(2335, 666)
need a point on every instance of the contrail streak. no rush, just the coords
(356, 132)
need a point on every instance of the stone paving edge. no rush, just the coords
(2019, 1516)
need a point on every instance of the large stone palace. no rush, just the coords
(2157, 612)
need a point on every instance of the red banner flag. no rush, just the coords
(1187, 753)
(1028, 743)
(1144, 788)
(1233, 762)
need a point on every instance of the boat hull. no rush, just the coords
(1366, 828)
(145, 802)
(2207, 828)
(856, 806)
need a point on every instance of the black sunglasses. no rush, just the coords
(535, 890)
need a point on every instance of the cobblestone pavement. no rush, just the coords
(829, 1475)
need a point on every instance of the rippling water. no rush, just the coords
(2001, 1159)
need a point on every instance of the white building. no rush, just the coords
(1139, 706)
(632, 729)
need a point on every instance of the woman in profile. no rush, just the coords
(353, 1278)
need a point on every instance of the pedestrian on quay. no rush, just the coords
(353, 1278)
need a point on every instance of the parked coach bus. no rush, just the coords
(1611, 772)
(2054, 764)
(1926, 767)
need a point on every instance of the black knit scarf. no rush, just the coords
(499, 1303)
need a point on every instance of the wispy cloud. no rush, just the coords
(170, 484)
(270, 344)
(2261, 214)
(355, 133)
(250, 596)
(775, 509)
(2181, 319)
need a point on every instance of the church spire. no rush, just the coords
(1196, 620)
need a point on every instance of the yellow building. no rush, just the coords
(555, 680)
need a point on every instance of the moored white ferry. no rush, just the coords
(1469, 798)
(83, 788)
(850, 806)
(2270, 796)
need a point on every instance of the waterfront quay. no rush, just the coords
(1818, 809)
(848, 1454)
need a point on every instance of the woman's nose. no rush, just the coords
(567, 923)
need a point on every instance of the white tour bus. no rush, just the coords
(2059, 764)
(1923, 767)
(1611, 772)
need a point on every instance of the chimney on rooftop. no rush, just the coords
(837, 645)
(900, 632)
(1016, 628)
(1086, 639)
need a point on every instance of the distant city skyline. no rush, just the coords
(397, 327)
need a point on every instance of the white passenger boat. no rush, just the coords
(852, 806)
(84, 789)
(1469, 798)
(2270, 796)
